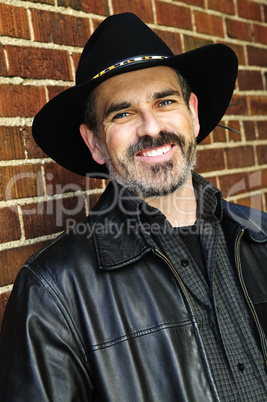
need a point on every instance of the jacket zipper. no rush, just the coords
(246, 295)
(174, 272)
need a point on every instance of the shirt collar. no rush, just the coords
(209, 198)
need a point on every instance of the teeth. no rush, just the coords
(157, 152)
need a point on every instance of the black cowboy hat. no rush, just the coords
(123, 43)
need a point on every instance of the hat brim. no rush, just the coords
(211, 72)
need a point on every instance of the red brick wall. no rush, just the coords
(40, 45)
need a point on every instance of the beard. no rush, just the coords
(153, 180)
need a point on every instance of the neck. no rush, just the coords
(180, 207)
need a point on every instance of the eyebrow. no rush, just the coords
(117, 107)
(165, 93)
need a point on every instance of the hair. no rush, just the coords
(89, 114)
(185, 87)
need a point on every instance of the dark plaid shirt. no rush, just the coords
(226, 325)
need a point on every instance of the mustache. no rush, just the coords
(162, 139)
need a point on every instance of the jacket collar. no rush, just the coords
(116, 228)
(252, 221)
(209, 199)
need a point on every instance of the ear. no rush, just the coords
(92, 143)
(193, 106)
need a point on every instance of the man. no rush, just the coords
(162, 296)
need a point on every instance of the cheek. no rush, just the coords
(185, 124)
(117, 142)
(178, 121)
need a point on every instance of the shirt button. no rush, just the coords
(241, 367)
(184, 263)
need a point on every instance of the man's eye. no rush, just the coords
(121, 115)
(166, 102)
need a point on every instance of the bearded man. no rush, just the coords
(172, 308)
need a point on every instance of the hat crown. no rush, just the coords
(119, 37)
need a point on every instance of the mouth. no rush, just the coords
(156, 152)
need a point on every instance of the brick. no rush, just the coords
(258, 105)
(55, 90)
(96, 23)
(192, 42)
(209, 24)
(14, 22)
(32, 149)
(60, 28)
(60, 180)
(262, 129)
(239, 157)
(249, 128)
(225, 6)
(198, 3)
(173, 15)
(89, 6)
(238, 29)
(54, 216)
(233, 184)
(172, 39)
(75, 4)
(12, 146)
(75, 58)
(250, 80)
(20, 182)
(4, 296)
(209, 160)
(238, 106)
(9, 223)
(263, 178)
(143, 9)
(3, 66)
(234, 137)
(257, 180)
(253, 201)
(257, 56)
(207, 140)
(11, 261)
(21, 100)
(44, 63)
(260, 34)
(262, 154)
(249, 10)
(212, 180)
(219, 134)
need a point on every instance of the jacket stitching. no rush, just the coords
(138, 334)
(60, 305)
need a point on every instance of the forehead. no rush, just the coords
(135, 84)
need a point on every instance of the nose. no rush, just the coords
(149, 124)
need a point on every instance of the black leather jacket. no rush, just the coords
(106, 317)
